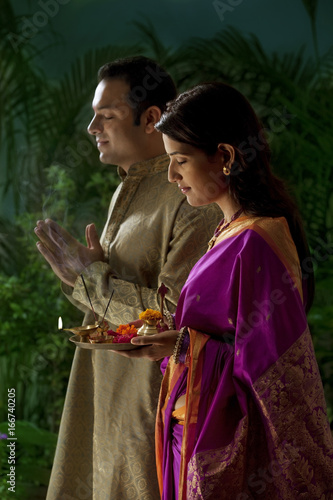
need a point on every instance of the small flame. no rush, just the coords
(59, 323)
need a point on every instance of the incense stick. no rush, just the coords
(85, 286)
(107, 307)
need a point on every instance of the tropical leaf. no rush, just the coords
(51, 130)
(242, 61)
(151, 42)
(311, 8)
(174, 60)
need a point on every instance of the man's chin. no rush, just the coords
(104, 159)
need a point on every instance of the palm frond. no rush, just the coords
(151, 42)
(241, 60)
(311, 8)
(53, 117)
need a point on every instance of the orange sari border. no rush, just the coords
(285, 249)
(172, 373)
(198, 341)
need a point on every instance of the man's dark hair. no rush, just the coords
(150, 85)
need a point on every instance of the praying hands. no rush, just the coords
(67, 256)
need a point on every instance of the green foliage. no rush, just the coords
(20, 91)
(34, 357)
(321, 324)
(34, 450)
(311, 7)
(43, 122)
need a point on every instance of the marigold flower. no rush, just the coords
(126, 329)
(150, 314)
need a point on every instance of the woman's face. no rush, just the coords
(199, 177)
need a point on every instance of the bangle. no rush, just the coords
(170, 320)
(179, 343)
(184, 348)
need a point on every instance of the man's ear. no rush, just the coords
(150, 117)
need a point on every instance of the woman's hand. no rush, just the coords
(153, 347)
(137, 323)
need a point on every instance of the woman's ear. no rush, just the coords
(228, 154)
(151, 116)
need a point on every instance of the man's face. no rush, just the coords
(119, 141)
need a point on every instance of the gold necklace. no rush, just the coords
(221, 227)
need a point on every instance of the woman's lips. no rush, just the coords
(184, 190)
(101, 143)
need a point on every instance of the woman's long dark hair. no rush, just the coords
(214, 113)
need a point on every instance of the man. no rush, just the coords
(105, 448)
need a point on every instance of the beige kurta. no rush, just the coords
(105, 447)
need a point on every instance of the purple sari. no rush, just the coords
(255, 421)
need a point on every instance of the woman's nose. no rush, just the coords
(173, 175)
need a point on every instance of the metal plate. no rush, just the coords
(111, 347)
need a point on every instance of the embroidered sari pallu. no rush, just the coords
(255, 418)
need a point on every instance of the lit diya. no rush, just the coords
(83, 330)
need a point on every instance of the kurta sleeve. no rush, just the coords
(190, 232)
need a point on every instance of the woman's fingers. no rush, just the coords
(137, 323)
(147, 339)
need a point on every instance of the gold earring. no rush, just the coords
(226, 170)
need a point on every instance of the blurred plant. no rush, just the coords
(311, 8)
(34, 451)
(20, 91)
(35, 357)
(321, 325)
(43, 122)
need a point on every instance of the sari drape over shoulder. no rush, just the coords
(255, 419)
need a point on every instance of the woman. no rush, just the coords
(241, 412)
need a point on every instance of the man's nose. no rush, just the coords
(94, 126)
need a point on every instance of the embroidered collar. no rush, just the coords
(146, 167)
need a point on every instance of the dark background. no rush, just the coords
(281, 25)
(278, 53)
